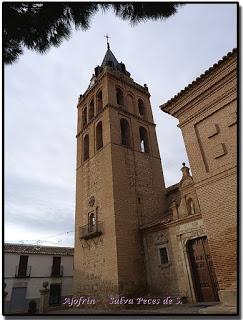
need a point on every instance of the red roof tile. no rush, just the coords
(37, 249)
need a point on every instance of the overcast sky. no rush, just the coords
(41, 93)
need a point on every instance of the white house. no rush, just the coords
(26, 267)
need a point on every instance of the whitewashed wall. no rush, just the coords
(40, 271)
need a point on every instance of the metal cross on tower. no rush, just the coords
(107, 40)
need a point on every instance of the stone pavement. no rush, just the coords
(199, 308)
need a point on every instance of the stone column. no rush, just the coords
(44, 298)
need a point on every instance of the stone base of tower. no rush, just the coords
(131, 290)
(228, 297)
(104, 292)
(92, 286)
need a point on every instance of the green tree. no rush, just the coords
(38, 26)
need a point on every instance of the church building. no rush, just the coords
(134, 236)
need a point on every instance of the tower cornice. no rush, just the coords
(108, 105)
(117, 76)
(131, 82)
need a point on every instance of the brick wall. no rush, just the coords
(128, 188)
(207, 114)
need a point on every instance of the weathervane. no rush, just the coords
(107, 37)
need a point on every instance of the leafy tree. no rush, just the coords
(38, 26)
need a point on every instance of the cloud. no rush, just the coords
(39, 201)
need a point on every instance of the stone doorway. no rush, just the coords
(203, 274)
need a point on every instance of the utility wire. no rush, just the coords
(41, 240)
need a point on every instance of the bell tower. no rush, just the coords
(119, 182)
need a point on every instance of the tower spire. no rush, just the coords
(107, 41)
(111, 61)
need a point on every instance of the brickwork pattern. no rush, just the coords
(127, 185)
(207, 113)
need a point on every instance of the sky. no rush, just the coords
(41, 94)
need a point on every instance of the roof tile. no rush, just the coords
(37, 249)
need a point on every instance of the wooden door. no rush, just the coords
(205, 282)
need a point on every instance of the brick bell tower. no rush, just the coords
(119, 182)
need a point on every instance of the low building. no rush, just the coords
(28, 266)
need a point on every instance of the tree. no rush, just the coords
(38, 26)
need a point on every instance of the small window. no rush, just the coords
(92, 222)
(86, 147)
(119, 97)
(99, 102)
(144, 146)
(84, 117)
(99, 136)
(91, 110)
(125, 134)
(130, 102)
(190, 206)
(141, 108)
(164, 259)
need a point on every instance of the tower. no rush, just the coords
(119, 182)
